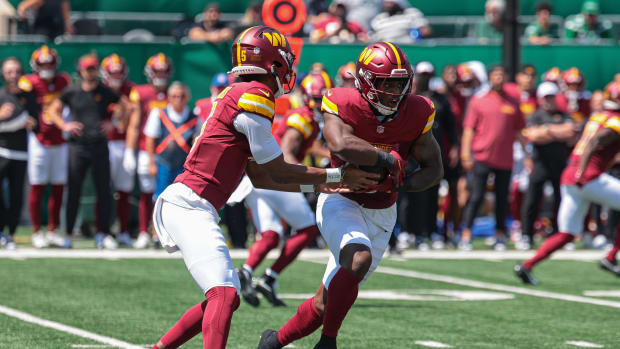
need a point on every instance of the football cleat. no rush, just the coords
(269, 340)
(326, 343)
(611, 267)
(248, 292)
(109, 243)
(266, 286)
(54, 239)
(525, 275)
(10, 244)
(39, 240)
(124, 239)
(99, 240)
(142, 241)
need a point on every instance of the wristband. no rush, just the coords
(307, 188)
(334, 175)
(385, 159)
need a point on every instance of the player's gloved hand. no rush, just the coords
(129, 160)
(397, 172)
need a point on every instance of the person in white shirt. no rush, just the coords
(399, 23)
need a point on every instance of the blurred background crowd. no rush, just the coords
(506, 194)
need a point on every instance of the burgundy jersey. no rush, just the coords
(578, 107)
(115, 134)
(46, 92)
(602, 158)
(219, 155)
(302, 120)
(416, 117)
(149, 98)
(202, 109)
(527, 100)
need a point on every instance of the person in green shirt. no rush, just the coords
(491, 28)
(586, 25)
(542, 32)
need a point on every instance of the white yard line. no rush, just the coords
(25, 253)
(584, 344)
(602, 293)
(432, 344)
(104, 346)
(67, 329)
(496, 287)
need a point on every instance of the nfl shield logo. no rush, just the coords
(380, 129)
(256, 50)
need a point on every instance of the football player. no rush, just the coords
(238, 127)
(583, 182)
(575, 99)
(113, 73)
(376, 126)
(346, 75)
(47, 151)
(158, 70)
(296, 134)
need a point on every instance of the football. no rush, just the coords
(383, 171)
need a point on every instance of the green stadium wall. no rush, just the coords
(195, 64)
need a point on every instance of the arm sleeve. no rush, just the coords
(257, 130)
(153, 126)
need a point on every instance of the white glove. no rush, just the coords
(129, 160)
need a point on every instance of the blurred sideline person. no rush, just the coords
(113, 72)
(47, 151)
(158, 70)
(17, 108)
(88, 103)
(375, 126)
(297, 134)
(185, 215)
(170, 132)
(583, 183)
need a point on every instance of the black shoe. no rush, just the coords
(611, 267)
(525, 275)
(247, 289)
(269, 340)
(326, 343)
(265, 285)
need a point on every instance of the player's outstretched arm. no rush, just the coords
(262, 178)
(342, 143)
(426, 152)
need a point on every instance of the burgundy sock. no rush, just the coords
(145, 211)
(268, 241)
(123, 210)
(611, 256)
(293, 246)
(304, 322)
(189, 325)
(341, 295)
(34, 205)
(552, 244)
(221, 303)
(53, 206)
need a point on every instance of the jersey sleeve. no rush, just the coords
(301, 124)
(430, 119)
(257, 101)
(152, 128)
(134, 95)
(613, 123)
(329, 103)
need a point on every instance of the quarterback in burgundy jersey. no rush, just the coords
(584, 182)
(238, 128)
(296, 134)
(47, 151)
(375, 126)
(113, 73)
(158, 70)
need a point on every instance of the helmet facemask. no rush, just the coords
(386, 92)
(286, 84)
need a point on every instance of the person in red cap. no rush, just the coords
(575, 99)
(88, 104)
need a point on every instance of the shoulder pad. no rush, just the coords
(134, 95)
(24, 84)
(301, 124)
(613, 123)
(328, 104)
(258, 100)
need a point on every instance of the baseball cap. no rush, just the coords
(424, 67)
(88, 62)
(590, 7)
(220, 80)
(547, 88)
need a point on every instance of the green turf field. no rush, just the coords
(136, 301)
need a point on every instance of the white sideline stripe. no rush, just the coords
(67, 329)
(584, 344)
(24, 253)
(432, 344)
(604, 293)
(103, 345)
(497, 287)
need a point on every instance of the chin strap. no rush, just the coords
(280, 91)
